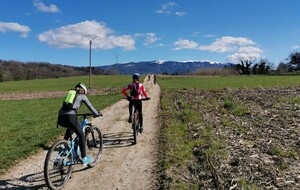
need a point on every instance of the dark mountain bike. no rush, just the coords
(136, 122)
(154, 79)
(63, 154)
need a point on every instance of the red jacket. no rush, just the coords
(141, 91)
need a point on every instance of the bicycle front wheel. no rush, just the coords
(56, 171)
(94, 143)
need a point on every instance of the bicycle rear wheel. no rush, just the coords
(94, 143)
(56, 172)
(135, 127)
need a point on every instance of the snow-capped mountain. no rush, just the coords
(160, 67)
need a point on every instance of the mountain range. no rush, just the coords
(160, 67)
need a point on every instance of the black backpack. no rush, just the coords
(134, 91)
(69, 100)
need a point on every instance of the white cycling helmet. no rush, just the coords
(81, 85)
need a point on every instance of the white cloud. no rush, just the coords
(196, 34)
(71, 36)
(295, 47)
(180, 13)
(151, 38)
(139, 35)
(14, 27)
(209, 36)
(246, 53)
(185, 44)
(241, 48)
(44, 8)
(227, 44)
(168, 9)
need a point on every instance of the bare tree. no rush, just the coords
(262, 67)
(282, 68)
(294, 61)
(244, 68)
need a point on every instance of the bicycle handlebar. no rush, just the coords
(84, 114)
(88, 114)
(143, 99)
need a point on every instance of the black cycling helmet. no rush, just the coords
(136, 76)
(81, 85)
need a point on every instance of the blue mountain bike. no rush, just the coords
(63, 154)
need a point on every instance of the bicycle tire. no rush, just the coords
(57, 174)
(135, 126)
(94, 144)
(134, 133)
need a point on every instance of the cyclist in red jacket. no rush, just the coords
(137, 89)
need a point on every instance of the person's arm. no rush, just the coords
(144, 91)
(86, 101)
(124, 92)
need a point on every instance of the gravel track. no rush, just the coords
(123, 165)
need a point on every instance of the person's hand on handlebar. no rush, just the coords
(99, 114)
(128, 98)
(148, 98)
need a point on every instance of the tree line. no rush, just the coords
(254, 67)
(15, 70)
(263, 66)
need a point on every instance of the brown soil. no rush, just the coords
(123, 165)
(50, 94)
(257, 132)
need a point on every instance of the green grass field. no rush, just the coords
(27, 126)
(97, 81)
(221, 82)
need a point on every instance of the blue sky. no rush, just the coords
(59, 31)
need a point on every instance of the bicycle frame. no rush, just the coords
(136, 122)
(73, 160)
(84, 123)
(63, 154)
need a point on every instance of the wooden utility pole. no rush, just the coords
(90, 38)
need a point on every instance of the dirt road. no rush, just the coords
(123, 165)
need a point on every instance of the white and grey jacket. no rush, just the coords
(80, 98)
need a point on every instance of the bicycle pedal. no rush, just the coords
(141, 130)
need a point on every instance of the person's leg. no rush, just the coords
(130, 111)
(68, 134)
(82, 143)
(64, 121)
(79, 132)
(140, 110)
(74, 124)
